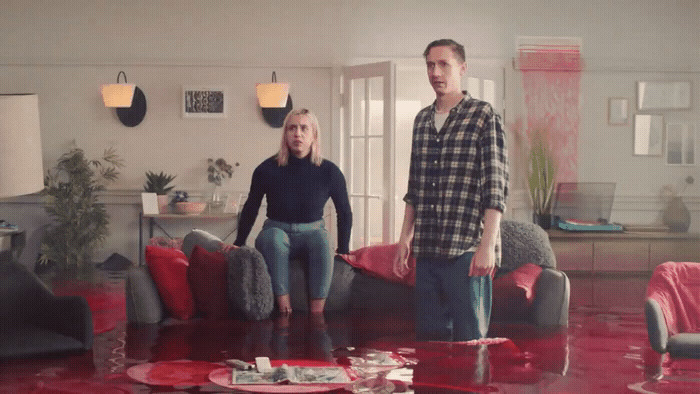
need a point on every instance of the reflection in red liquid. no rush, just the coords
(600, 351)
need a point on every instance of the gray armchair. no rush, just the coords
(34, 322)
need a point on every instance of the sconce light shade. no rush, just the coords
(128, 99)
(274, 100)
(272, 95)
(21, 162)
(118, 95)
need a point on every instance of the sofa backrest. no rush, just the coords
(21, 294)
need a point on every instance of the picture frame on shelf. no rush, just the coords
(618, 111)
(664, 95)
(648, 134)
(204, 102)
(149, 203)
(681, 141)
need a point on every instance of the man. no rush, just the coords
(457, 187)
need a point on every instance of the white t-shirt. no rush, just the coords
(440, 119)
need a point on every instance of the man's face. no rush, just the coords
(299, 135)
(445, 71)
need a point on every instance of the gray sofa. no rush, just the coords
(34, 322)
(352, 289)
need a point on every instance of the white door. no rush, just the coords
(368, 151)
(379, 104)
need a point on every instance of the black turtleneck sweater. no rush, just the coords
(297, 193)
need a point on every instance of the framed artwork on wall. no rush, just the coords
(618, 111)
(655, 95)
(648, 134)
(203, 102)
(680, 143)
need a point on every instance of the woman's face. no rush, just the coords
(299, 135)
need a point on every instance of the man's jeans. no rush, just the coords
(451, 305)
(279, 242)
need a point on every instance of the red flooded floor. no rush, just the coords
(604, 350)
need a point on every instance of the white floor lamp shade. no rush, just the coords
(21, 162)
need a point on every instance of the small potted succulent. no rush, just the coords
(160, 185)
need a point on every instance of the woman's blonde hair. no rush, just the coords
(283, 154)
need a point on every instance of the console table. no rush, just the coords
(629, 252)
(155, 221)
(12, 243)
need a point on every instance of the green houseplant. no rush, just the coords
(541, 178)
(71, 199)
(158, 183)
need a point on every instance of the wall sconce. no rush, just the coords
(274, 100)
(128, 99)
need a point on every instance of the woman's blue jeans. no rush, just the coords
(450, 304)
(279, 242)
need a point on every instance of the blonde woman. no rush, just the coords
(297, 183)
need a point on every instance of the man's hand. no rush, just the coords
(483, 262)
(401, 259)
(484, 259)
(404, 251)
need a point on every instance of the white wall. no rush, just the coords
(65, 49)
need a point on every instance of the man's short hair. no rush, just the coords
(457, 49)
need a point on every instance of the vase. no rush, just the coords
(677, 216)
(163, 204)
(543, 220)
(217, 201)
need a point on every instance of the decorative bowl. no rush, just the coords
(190, 207)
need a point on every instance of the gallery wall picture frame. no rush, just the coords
(618, 111)
(681, 143)
(661, 95)
(204, 102)
(648, 134)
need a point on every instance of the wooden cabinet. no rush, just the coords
(621, 252)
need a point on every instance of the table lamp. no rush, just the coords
(21, 163)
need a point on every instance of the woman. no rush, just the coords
(297, 183)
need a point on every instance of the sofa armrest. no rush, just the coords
(70, 316)
(656, 326)
(551, 304)
(143, 303)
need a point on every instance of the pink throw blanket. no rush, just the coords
(676, 287)
(378, 260)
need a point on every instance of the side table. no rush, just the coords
(12, 243)
(156, 220)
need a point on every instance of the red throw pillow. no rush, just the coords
(378, 260)
(207, 276)
(513, 293)
(168, 268)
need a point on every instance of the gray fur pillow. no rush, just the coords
(524, 243)
(249, 283)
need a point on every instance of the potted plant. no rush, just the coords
(160, 185)
(541, 179)
(71, 199)
(217, 171)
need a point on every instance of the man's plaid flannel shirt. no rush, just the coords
(455, 174)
